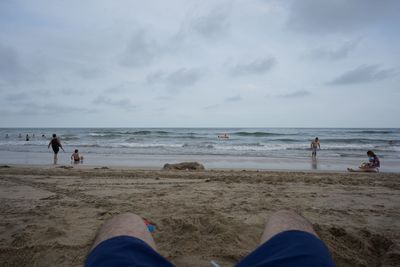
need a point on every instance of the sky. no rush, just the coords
(186, 63)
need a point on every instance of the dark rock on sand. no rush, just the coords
(195, 166)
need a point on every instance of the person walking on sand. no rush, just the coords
(55, 145)
(314, 146)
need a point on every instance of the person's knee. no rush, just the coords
(125, 224)
(285, 213)
(128, 216)
(285, 220)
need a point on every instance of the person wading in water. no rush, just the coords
(55, 145)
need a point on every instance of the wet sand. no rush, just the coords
(49, 216)
(321, 163)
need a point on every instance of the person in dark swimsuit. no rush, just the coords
(55, 145)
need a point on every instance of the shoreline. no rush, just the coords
(210, 162)
(78, 167)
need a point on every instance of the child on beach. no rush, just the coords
(372, 165)
(314, 146)
(76, 157)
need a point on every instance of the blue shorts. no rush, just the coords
(286, 249)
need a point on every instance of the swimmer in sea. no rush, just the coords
(76, 157)
(224, 136)
(314, 146)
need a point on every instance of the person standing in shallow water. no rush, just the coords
(55, 145)
(314, 146)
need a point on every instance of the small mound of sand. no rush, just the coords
(193, 166)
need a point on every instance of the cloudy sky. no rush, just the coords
(181, 63)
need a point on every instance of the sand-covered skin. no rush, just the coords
(49, 216)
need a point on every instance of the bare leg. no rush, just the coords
(127, 224)
(285, 220)
(55, 158)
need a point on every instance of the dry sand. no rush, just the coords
(49, 216)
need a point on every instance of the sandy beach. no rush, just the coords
(49, 216)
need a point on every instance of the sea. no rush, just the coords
(238, 148)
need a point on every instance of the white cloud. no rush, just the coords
(235, 98)
(256, 67)
(140, 50)
(296, 94)
(364, 74)
(120, 103)
(335, 53)
(182, 77)
(341, 16)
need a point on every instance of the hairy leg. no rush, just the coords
(127, 224)
(285, 220)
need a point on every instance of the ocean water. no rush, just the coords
(242, 142)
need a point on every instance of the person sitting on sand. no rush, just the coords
(372, 165)
(314, 146)
(288, 240)
(76, 157)
(55, 145)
